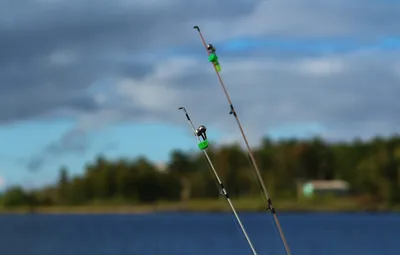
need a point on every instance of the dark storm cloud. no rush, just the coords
(114, 38)
(97, 25)
(97, 34)
(365, 20)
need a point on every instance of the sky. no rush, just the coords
(94, 77)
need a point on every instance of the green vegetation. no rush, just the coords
(372, 168)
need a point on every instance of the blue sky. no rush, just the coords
(110, 82)
(27, 138)
(154, 141)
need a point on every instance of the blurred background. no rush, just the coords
(97, 159)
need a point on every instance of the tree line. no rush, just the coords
(371, 167)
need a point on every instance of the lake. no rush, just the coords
(198, 234)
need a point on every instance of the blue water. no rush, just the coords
(198, 234)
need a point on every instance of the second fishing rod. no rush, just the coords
(201, 136)
(213, 58)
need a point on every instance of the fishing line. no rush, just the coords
(212, 57)
(201, 136)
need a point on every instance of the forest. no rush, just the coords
(371, 167)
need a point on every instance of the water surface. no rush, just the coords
(198, 234)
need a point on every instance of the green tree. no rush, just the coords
(15, 196)
(63, 187)
(371, 167)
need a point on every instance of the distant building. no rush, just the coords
(324, 187)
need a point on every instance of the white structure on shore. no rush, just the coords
(322, 187)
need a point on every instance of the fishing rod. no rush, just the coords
(200, 132)
(213, 58)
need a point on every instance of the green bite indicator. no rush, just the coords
(203, 145)
(213, 58)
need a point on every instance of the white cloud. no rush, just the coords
(397, 70)
(62, 58)
(144, 94)
(321, 67)
(100, 98)
(347, 92)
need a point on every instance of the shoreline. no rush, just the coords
(209, 206)
(281, 212)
